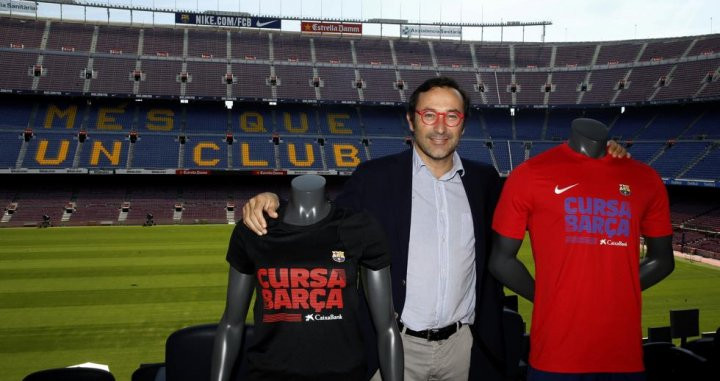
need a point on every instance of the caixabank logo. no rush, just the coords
(301, 294)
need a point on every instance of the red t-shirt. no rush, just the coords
(585, 217)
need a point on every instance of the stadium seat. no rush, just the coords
(70, 374)
(149, 372)
(188, 355)
(664, 361)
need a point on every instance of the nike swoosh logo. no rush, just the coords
(561, 190)
(262, 24)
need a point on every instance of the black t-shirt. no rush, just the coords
(306, 313)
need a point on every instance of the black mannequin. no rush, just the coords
(307, 205)
(588, 137)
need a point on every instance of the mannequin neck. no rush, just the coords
(588, 137)
(308, 203)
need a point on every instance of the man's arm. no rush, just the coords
(616, 150)
(253, 210)
(229, 335)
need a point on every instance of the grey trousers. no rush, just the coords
(446, 360)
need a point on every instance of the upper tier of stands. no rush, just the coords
(84, 58)
(679, 141)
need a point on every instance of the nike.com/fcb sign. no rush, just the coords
(222, 20)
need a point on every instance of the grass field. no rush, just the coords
(112, 295)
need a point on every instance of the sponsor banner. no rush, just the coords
(692, 183)
(330, 27)
(224, 20)
(270, 172)
(430, 30)
(145, 171)
(18, 6)
(311, 172)
(44, 170)
(192, 172)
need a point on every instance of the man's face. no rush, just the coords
(436, 143)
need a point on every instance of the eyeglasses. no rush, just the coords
(431, 117)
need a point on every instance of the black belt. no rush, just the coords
(435, 334)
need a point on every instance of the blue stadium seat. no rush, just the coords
(474, 149)
(205, 152)
(252, 119)
(383, 146)
(50, 150)
(253, 152)
(344, 154)
(339, 121)
(498, 123)
(297, 120)
(529, 124)
(384, 121)
(300, 153)
(155, 152)
(105, 151)
(206, 117)
(10, 143)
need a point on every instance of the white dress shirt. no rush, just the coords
(441, 251)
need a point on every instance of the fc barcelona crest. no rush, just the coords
(338, 256)
(625, 190)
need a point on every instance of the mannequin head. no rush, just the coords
(308, 203)
(588, 137)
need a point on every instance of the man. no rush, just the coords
(436, 210)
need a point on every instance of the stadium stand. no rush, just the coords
(524, 97)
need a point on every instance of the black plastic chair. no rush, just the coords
(188, 356)
(664, 361)
(70, 374)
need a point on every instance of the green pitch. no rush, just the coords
(112, 295)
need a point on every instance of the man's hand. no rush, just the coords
(616, 150)
(253, 211)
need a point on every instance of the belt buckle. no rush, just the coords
(432, 334)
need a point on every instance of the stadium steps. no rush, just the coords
(433, 56)
(178, 212)
(353, 54)
(41, 57)
(228, 67)
(315, 72)
(545, 125)
(692, 123)
(397, 72)
(627, 85)
(581, 94)
(658, 154)
(492, 158)
(230, 212)
(6, 217)
(21, 154)
(184, 68)
(708, 150)
(91, 59)
(122, 216)
(668, 80)
(138, 62)
(647, 125)
(689, 48)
